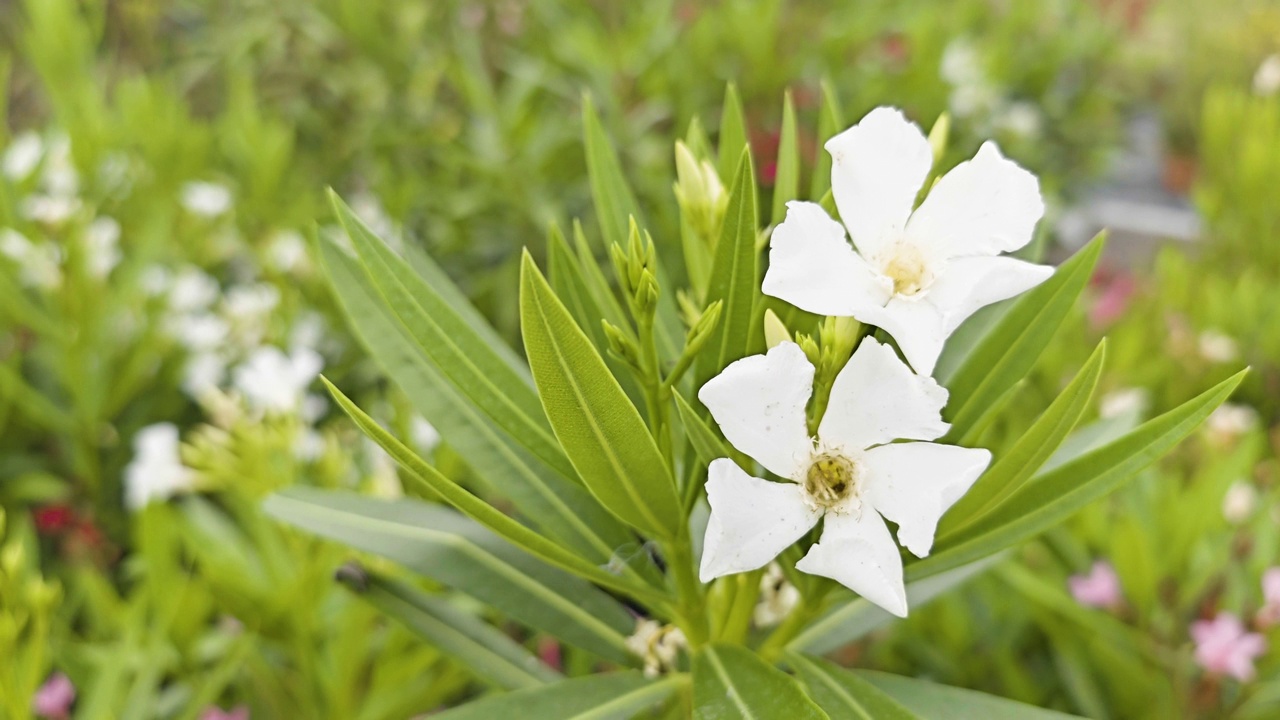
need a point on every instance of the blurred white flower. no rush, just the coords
(424, 434)
(307, 331)
(778, 597)
(851, 477)
(916, 273)
(1239, 502)
(383, 480)
(155, 280)
(206, 199)
(59, 177)
(1123, 401)
(200, 332)
(274, 382)
(39, 265)
(102, 246)
(49, 209)
(287, 252)
(192, 290)
(1217, 346)
(309, 445)
(156, 471)
(1266, 81)
(1230, 420)
(1020, 118)
(972, 93)
(204, 372)
(249, 309)
(22, 156)
(657, 644)
(313, 408)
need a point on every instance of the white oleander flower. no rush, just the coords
(102, 246)
(1266, 81)
(1239, 502)
(22, 156)
(156, 471)
(778, 598)
(192, 290)
(918, 273)
(1123, 401)
(287, 251)
(39, 264)
(206, 199)
(852, 476)
(274, 382)
(658, 645)
(1217, 346)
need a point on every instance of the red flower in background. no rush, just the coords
(53, 519)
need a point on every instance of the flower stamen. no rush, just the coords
(831, 480)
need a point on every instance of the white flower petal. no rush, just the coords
(813, 266)
(877, 168)
(970, 284)
(877, 399)
(912, 484)
(984, 206)
(759, 403)
(858, 552)
(752, 520)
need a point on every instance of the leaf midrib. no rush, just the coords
(730, 687)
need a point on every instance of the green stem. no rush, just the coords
(693, 614)
(809, 608)
(743, 608)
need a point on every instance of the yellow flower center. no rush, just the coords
(907, 269)
(831, 481)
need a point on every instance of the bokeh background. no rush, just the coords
(162, 317)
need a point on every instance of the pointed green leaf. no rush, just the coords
(600, 430)
(614, 201)
(1053, 496)
(447, 547)
(706, 443)
(786, 179)
(1013, 468)
(613, 696)
(596, 281)
(830, 122)
(932, 701)
(493, 519)
(563, 509)
(734, 276)
(565, 276)
(477, 645)
(845, 695)
(490, 380)
(733, 132)
(1009, 351)
(733, 683)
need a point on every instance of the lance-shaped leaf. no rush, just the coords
(843, 694)
(1052, 496)
(1011, 348)
(706, 443)
(600, 430)
(491, 380)
(473, 507)
(563, 509)
(1013, 468)
(449, 548)
(480, 647)
(932, 701)
(733, 132)
(786, 178)
(735, 276)
(830, 122)
(615, 696)
(733, 683)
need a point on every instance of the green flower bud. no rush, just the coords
(775, 331)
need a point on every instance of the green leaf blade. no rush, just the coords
(734, 276)
(843, 694)
(596, 423)
(733, 683)
(612, 696)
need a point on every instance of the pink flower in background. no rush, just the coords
(54, 698)
(1225, 647)
(1269, 613)
(240, 712)
(549, 652)
(1100, 587)
(1115, 290)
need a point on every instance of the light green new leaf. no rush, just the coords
(932, 701)
(845, 695)
(600, 430)
(440, 544)
(489, 516)
(786, 179)
(477, 645)
(706, 444)
(1053, 496)
(734, 276)
(615, 202)
(614, 696)
(562, 508)
(733, 132)
(830, 122)
(733, 683)
(1013, 468)
(565, 276)
(1009, 351)
(858, 617)
(490, 380)
(596, 281)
